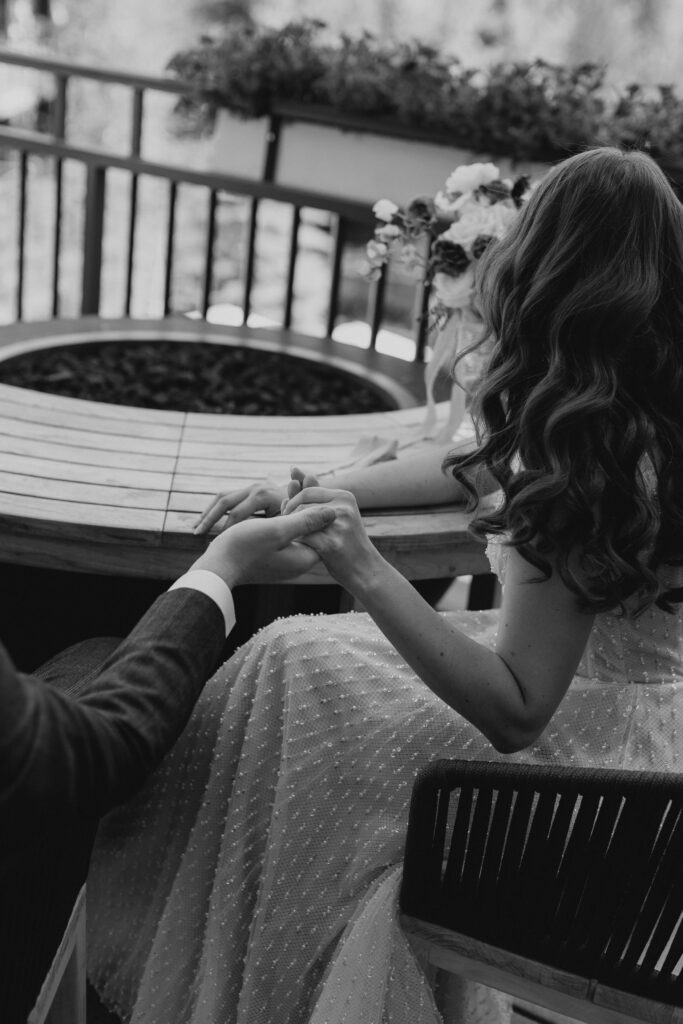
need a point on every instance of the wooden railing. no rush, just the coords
(348, 220)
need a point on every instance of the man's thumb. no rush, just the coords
(307, 520)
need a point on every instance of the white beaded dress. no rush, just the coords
(254, 879)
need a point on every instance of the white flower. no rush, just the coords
(471, 176)
(411, 252)
(413, 259)
(384, 209)
(480, 220)
(454, 292)
(388, 232)
(376, 250)
(446, 204)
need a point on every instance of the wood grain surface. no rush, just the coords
(114, 489)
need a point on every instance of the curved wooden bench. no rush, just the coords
(113, 489)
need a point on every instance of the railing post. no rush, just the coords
(335, 281)
(422, 320)
(272, 148)
(377, 305)
(23, 183)
(92, 240)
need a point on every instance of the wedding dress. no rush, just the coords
(254, 879)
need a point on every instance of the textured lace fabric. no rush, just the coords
(253, 880)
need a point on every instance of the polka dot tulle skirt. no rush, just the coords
(254, 879)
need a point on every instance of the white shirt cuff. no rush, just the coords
(213, 586)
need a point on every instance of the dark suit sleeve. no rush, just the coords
(85, 755)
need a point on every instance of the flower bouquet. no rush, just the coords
(441, 239)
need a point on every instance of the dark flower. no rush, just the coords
(480, 244)
(520, 187)
(448, 257)
(421, 210)
(495, 191)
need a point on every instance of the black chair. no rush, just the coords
(560, 886)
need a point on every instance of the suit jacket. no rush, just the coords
(65, 761)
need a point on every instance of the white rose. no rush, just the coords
(376, 250)
(445, 204)
(413, 260)
(388, 232)
(471, 176)
(384, 209)
(454, 292)
(480, 220)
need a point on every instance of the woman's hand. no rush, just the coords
(262, 496)
(266, 549)
(412, 480)
(344, 546)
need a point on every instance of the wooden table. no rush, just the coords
(111, 489)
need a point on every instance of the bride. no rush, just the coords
(254, 879)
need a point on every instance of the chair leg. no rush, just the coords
(68, 1005)
(61, 999)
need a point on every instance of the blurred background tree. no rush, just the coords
(638, 39)
(225, 12)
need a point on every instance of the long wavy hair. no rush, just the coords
(580, 416)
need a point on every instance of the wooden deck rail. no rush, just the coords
(348, 219)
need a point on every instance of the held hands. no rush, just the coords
(343, 545)
(259, 549)
(252, 550)
(263, 496)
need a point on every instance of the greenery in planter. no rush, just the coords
(252, 65)
(526, 110)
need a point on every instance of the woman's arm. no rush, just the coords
(411, 479)
(509, 694)
(414, 478)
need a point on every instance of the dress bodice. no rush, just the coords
(647, 649)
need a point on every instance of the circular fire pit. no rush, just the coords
(208, 373)
(194, 376)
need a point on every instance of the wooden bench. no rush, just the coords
(91, 487)
(562, 887)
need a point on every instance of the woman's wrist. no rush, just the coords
(366, 575)
(333, 480)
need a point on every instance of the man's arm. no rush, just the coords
(90, 754)
(85, 755)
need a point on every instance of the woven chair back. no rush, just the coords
(580, 869)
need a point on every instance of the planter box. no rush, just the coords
(361, 166)
(324, 152)
(238, 147)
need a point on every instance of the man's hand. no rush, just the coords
(261, 549)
